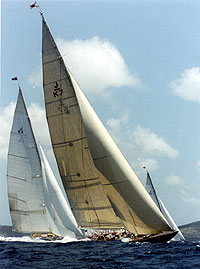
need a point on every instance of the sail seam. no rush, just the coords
(83, 186)
(66, 142)
(57, 59)
(25, 212)
(114, 183)
(17, 177)
(49, 83)
(80, 180)
(92, 208)
(103, 157)
(17, 156)
(16, 198)
(52, 102)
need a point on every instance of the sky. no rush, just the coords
(138, 62)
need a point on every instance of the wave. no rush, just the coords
(28, 239)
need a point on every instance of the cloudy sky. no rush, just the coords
(138, 62)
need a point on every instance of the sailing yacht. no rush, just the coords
(32, 188)
(152, 192)
(103, 191)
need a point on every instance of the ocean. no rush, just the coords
(35, 253)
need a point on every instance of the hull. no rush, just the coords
(157, 238)
(125, 236)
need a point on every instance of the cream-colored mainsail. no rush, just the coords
(24, 176)
(101, 186)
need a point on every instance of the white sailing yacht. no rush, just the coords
(32, 190)
(152, 192)
(103, 191)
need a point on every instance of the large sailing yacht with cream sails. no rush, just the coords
(103, 191)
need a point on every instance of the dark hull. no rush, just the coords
(152, 238)
(156, 238)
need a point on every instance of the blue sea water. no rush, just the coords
(29, 253)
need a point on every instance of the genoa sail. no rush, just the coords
(24, 176)
(103, 190)
(152, 192)
(59, 210)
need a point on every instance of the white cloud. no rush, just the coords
(39, 124)
(149, 142)
(173, 180)
(97, 64)
(198, 165)
(35, 78)
(116, 124)
(188, 85)
(6, 117)
(150, 164)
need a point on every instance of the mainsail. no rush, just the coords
(24, 176)
(152, 192)
(35, 198)
(103, 190)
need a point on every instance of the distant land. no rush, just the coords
(191, 231)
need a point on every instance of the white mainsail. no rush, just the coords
(152, 192)
(92, 168)
(35, 198)
(24, 176)
(64, 221)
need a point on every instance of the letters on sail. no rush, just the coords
(103, 190)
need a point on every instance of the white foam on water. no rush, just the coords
(39, 240)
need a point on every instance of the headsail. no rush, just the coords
(91, 166)
(152, 192)
(56, 203)
(24, 176)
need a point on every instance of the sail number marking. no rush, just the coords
(57, 92)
